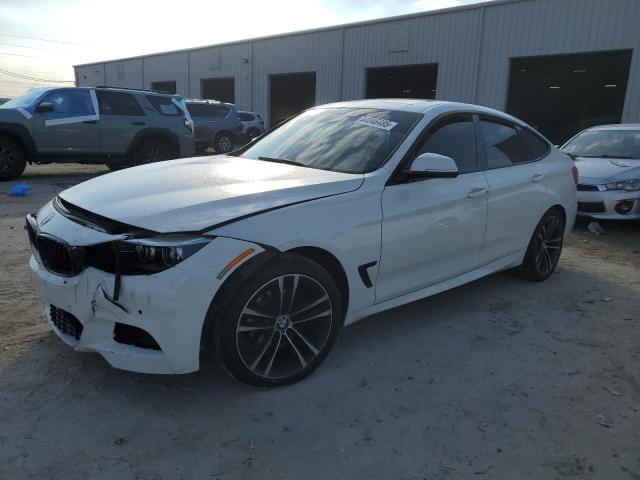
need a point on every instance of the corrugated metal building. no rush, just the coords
(559, 64)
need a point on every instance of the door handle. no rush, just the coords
(537, 178)
(213, 121)
(138, 123)
(477, 192)
(91, 122)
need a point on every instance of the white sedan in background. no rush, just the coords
(344, 211)
(608, 162)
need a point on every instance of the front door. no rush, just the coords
(73, 125)
(433, 229)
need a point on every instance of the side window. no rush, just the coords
(118, 103)
(164, 105)
(453, 137)
(535, 147)
(217, 111)
(245, 117)
(70, 103)
(503, 144)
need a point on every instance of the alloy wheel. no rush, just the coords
(225, 144)
(284, 326)
(549, 245)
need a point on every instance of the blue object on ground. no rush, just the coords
(20, 190)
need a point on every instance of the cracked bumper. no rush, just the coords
(170, 306)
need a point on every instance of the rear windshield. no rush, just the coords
(605, 144)
(351, 140)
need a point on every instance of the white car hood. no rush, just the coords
(194, 194)
(596, 170)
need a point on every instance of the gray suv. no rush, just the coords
(216, 125)
(115, 126)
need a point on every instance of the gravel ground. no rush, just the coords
(499, 379)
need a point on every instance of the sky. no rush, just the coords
(43, 39)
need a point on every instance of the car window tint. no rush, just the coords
(164, 105)
(535, 147)
(453, 137)
(118, 103)
(504, 146)
(70, 103)
(217, 111)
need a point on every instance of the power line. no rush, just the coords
(33, 79)
(17, 55)
(34, 48)
(46, 40)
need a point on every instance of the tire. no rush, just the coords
(253, 133)
(152, 151)
(265, 339)
(13, 159)
(545, 247)
(223, 142)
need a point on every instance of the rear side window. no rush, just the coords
(118, 103)
(164, 105)
(207, 110)
(535, 147)
(503, 144)
(453, 137)
(245, 117)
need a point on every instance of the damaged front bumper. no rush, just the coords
(155, 325)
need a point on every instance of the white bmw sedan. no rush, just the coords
(608, 162)
(262, 256)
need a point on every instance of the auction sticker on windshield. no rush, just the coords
(374, 122)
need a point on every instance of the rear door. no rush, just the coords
(433, 229)
(121, 118)
(517, 193)
(72, 127)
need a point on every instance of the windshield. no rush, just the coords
(605, 144)
(24, 100)
(351, 140)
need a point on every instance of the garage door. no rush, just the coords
(290, 94)
(563, 94)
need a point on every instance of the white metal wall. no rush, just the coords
(471, 46)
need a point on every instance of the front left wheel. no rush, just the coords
(278, 323)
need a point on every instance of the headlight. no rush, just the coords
(150, 255)
(629, 185)
(144, 256)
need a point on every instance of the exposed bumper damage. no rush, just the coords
(168, 307)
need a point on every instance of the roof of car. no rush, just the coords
(415, 105)
(208, 102)
(617, 126)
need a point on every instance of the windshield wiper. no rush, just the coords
(282, 160)
(604, 155)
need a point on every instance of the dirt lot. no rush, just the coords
(499, 379)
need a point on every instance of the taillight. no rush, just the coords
(574, 172)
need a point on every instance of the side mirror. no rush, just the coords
(432, 165)
(44, 107)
